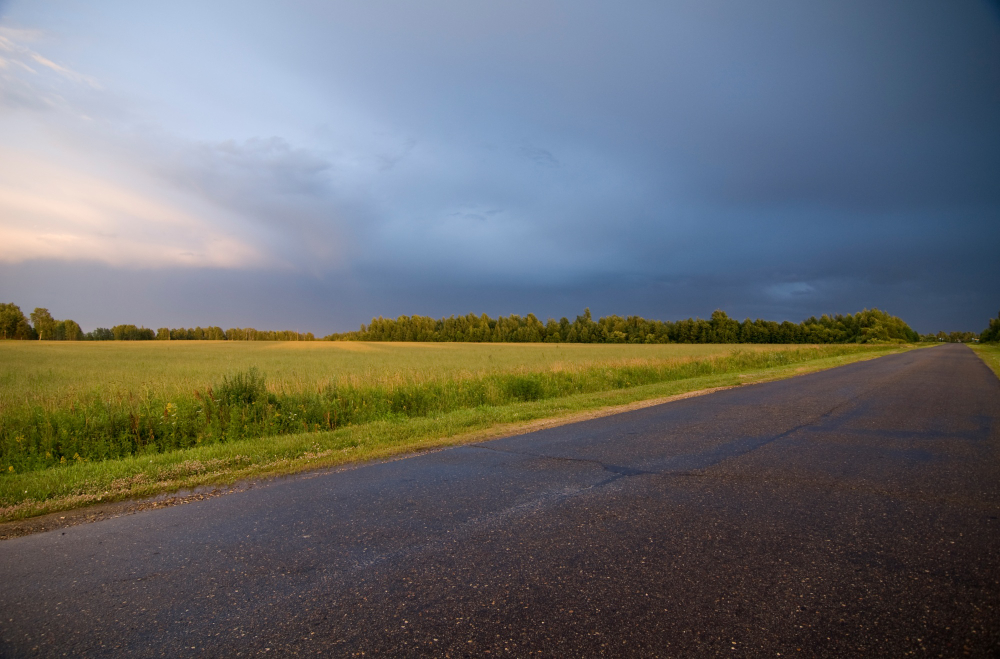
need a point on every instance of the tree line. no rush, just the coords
(989, 335)
(952, 337)
(870, 325)
(41, 325)
(15, 325)
(992, 333)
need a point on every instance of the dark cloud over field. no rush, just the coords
(315, 165)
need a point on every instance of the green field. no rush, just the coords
(989, 353)
(85, 422)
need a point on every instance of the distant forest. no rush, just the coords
(870, 325)
(14, 325)
(863, 327)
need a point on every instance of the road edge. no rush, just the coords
(93, 512)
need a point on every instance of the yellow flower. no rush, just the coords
(12, 468)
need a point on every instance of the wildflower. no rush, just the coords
(11, 468)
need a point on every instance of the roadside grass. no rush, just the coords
(241, 405)
(990, 354)
(80, 483)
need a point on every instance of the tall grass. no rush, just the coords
(241, 405)
(59, 374)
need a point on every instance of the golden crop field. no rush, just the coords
(54, 374)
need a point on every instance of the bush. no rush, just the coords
(242, 388)
(525, 388)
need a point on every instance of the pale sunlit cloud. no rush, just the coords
(52, 212)
(79, 189)
(29, 78)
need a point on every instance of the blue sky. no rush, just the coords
(309, 165)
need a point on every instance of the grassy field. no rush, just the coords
(86, 422)
(56, 374)
(989, 353)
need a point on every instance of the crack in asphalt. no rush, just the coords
(720, 454)
(620, 470)
(727, 451)
(692, 462)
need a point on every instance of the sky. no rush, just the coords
(311, 165)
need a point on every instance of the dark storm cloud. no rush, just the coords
(777, 158)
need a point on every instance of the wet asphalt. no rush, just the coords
(852, 512)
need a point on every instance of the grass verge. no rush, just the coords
(243, 406)
(990, 354)
(77, 485)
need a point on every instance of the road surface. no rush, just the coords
(852, 512)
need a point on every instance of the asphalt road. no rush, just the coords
(852, 512)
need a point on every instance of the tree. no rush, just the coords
(132, 333)
(13, 324)
(992, 333)
(67, 330)
(45, 325)
(99, 334)
(73, 331)
(724, 328)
